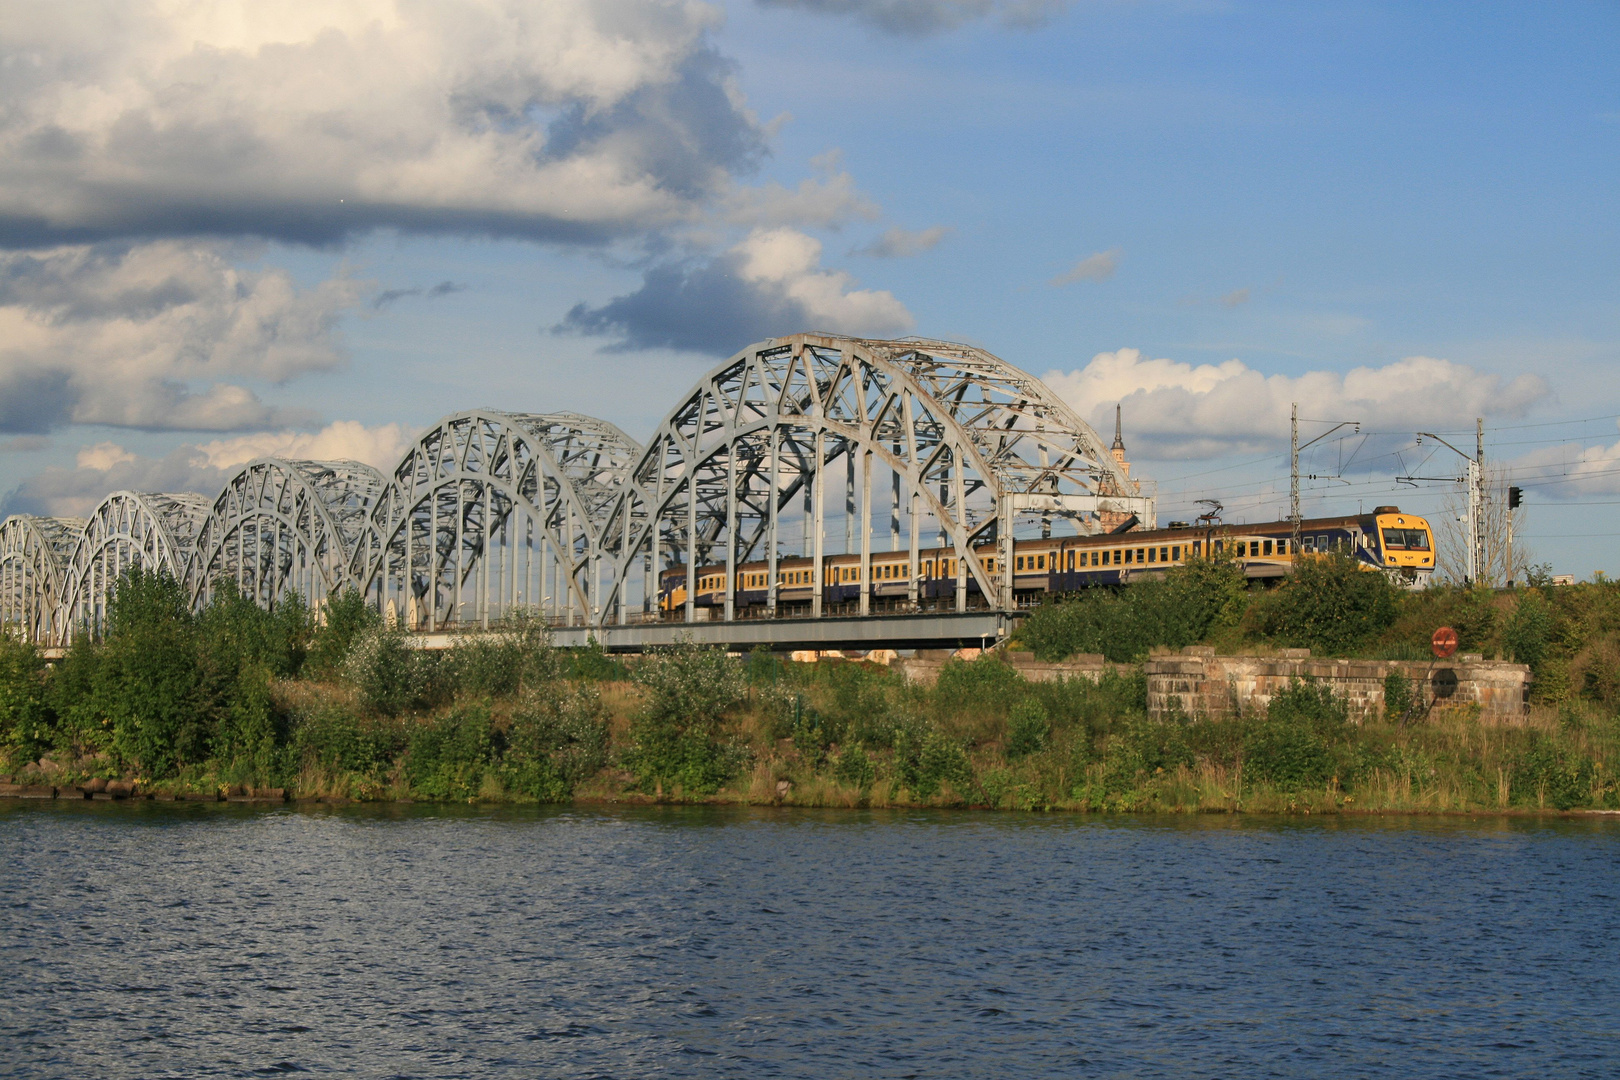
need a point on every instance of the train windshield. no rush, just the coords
(1406, 540)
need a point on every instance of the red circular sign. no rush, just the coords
(1444, 642)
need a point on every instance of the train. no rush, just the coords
(1398, 544)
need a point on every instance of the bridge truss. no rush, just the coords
(797, 447)
(493, 512)
(150, 530)
(34, 552)
(953, 446)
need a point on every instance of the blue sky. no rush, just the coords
(1398, 214)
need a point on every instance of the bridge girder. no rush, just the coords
(280, 525)
(153, 530)
(34, 552)
(483, 507)
(966, 439)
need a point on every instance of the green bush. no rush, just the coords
(925, 759)
(391, 676)
(855, 768)
(593, 664)
(338, 740)
(446, 757)
(1184, 606)
(1397, 694)
(499, 664)
(986, 687)
(346, 619)
(148, 679)
(1548, 771)
(27, 723)
(1528, 635)
(676, 737)
(233, 630)
(1292, 746)
(557, 738)
(1329, 605)
(1028, 728)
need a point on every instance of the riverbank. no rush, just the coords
(849, 734)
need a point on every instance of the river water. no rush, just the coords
(155, 940)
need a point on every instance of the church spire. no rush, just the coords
(1119, 438)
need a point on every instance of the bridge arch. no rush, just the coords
(973, 450)
(491, 512)
(155, 531)
(283, 525)
(34, 553)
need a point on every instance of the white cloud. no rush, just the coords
(1175, 409)
(898, 243)
(120, 335)
(107, 467)
(380, 447)
(1561, 472)
(829, 201)
(1097, 267)
(310, 119)
(769, 284)
(1235, 298)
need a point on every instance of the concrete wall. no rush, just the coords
(1203, 684)
(925, 666)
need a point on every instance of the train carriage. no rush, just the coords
(1387, 540)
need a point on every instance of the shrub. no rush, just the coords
(1529, 630)
(1184, 606)
(557, 738)
(250, 735)
(26, 720)
(1549, 771)
(925, 758)
(347, 619)
(389, 675)
(1329, 605)
(676, 736)
(1027, 729)
(593, 664)
(518, 655)
(147, 680)
(986, 687)
(855, 768)
(338, 740)
(446, 757)
(1397, 694)
(233, 630)
(1290, 747)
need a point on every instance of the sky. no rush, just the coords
(310, 229)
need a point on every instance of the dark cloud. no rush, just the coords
(770, 284)
(34, 402)
(694, 307)
(443, 288)
(63, 492)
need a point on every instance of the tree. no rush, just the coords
(1451, 536)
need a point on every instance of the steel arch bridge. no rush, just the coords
(972, 450)
(282, 526)
(150, 530)
(34, 553)
(799, 447)
(496, 512)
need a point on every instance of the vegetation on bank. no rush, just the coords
(237, 695)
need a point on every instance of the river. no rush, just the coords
(175, 940)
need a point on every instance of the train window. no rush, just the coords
(1020, 562)
(1153, 554)
(1164, 554)
(1282, 547)
(1139, 553)
(1220, 546)
(1197, 546)
(1266, 548)
(1093, 558)
(1175, 553)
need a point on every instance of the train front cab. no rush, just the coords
(1405, 546)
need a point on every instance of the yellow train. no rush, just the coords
(1401, 545)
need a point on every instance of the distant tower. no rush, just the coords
(1111, 519)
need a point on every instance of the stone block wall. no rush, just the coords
(1203, 684)
(925, 666)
